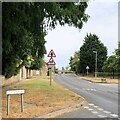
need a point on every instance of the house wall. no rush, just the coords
(23, 74)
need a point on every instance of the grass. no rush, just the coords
(39, 99)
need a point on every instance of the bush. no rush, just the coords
(108, 74)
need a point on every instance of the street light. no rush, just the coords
(95, 64)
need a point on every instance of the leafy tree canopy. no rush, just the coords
(87, 57)
(113, 62)
(74, 62)
(25, 25)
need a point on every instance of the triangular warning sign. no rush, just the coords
(51, 54)
(51, 62)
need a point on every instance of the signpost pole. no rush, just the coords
(87, 72)
(21, 102)
(8, 104)
(51, 63)
(50, 76)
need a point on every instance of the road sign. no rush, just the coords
(15, 92)
(51, 62)
(87, 67)
(12, 92)
(51, 54)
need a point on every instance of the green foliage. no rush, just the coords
(107, 74)
(86, 57)
(63, 68)
(25, 25)
(112, 64)
(74, 61)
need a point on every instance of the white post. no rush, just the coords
(20, 74)
(8, 104)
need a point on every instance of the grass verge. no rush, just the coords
(39, 99)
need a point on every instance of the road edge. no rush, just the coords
(63, 111)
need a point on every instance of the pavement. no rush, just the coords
(102, 99)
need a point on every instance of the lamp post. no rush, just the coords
(95, 64)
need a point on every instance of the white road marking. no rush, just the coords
(95, 112)
(95, 106)
(93, 89)
(102, 116)
(114, 115)
(107, 112)
(76, 88)
(100, 109)
(90, 104)
(90, 109)
(86, 107)
(88, 89)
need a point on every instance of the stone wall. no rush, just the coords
(23, 74)
(43, 70)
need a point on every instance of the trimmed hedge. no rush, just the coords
(108, 74)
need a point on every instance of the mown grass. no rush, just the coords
(40, 98)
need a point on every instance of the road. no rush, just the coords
(102, 99)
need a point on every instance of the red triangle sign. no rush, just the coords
(51, 54)
(51, 62)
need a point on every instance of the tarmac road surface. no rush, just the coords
(102, 99)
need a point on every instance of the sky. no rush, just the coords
(103, 22)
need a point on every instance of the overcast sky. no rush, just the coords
(103, 22)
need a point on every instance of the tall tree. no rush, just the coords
(74, 61)
(87, 57)
(25, 25)
(112, 64)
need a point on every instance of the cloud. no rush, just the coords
(103, 22)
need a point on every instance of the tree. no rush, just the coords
(74, 61)
(63, 68)
(87, 57)
(109, 64)
(25, 26)
(112, 64)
